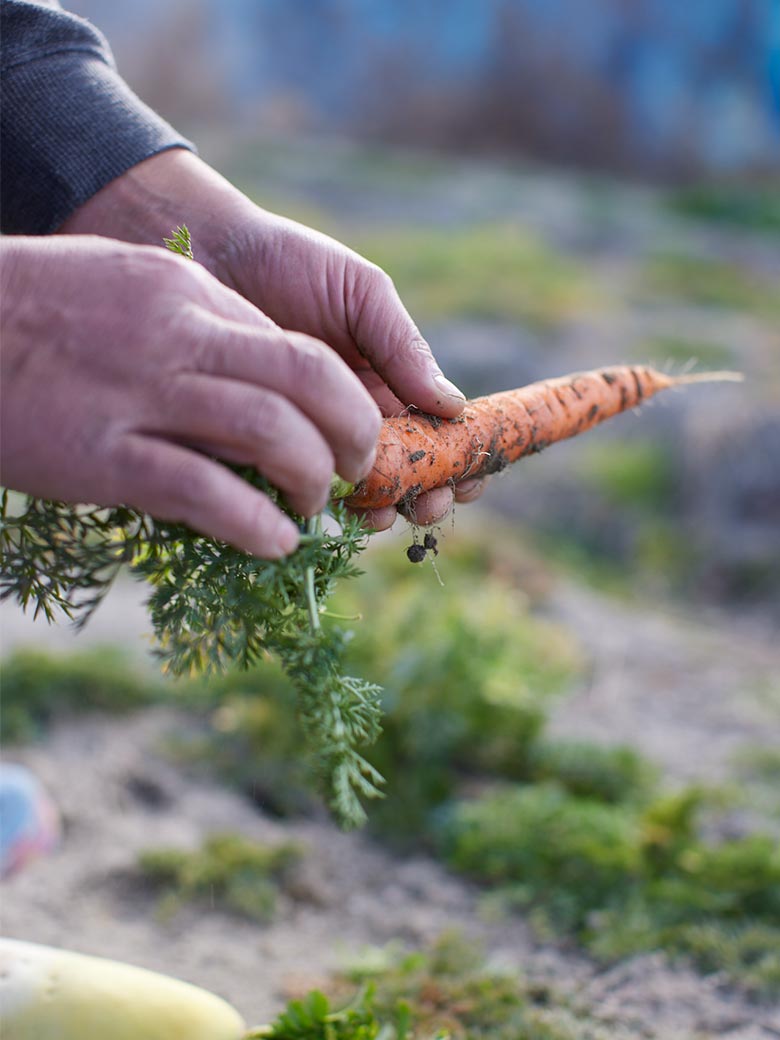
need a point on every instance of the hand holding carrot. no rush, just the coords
(303, 280)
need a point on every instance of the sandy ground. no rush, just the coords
(689, 697)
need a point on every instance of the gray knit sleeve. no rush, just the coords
(69, 123)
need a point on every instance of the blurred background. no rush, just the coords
(650, 87)
(553, 186)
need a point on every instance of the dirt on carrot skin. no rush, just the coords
(425, 452)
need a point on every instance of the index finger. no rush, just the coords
(309, 375)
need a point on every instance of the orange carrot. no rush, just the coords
(418, 452)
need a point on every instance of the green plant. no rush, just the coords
(564, 855)
(314, 1018)
(605, 774)
(467, 683)
(746, 950)
(752, 206)
(37, 688)
(447, 991)
(241, 876)
(624, 878)
(468, 674)
(212, 606)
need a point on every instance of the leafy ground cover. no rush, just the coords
(625, 877)
(228, 871)
(446, 991)
(581, 837)
(40, 688)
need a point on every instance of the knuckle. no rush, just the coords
(209, 349)
(188, 488)
(260, 417)
(377, 280)
(133, 465)
(308, 361)
(169, 396)
(179, 276)
(162, 265)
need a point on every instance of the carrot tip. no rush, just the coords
(709, 377)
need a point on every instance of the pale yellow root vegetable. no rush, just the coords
(50, 994)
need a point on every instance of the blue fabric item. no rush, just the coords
(69, 124)
(29, 824)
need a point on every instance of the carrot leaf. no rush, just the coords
(213, 607)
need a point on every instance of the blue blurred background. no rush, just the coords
(647, 86)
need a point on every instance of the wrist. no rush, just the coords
(175, 187)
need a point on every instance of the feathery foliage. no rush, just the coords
(213, 606)
(180, 242)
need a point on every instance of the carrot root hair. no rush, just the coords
(708, 377)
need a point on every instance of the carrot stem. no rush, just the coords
(312, 526)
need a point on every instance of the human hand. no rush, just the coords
(123, 364)
(310, 282)
(300, 278)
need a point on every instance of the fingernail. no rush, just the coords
(447, 388)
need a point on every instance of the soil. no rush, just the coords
(686, 693)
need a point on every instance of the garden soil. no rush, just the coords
(665, 684)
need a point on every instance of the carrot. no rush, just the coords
(418, 452)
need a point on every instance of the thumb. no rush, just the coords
(386, 336)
